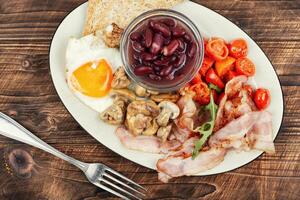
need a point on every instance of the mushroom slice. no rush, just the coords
(148, 108)
(125, 93)
(165, 97)
(152, 129)
(138, 123)
(120, 79)
(163, 132)
(169, 111)
(115, 114)
(140, 91)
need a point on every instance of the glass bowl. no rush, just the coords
(184, 78)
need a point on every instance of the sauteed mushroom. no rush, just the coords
(173, 97)
(163, 132)
(120, 79)
(169, 111)
(115, 114)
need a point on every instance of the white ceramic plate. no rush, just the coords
(209, 23)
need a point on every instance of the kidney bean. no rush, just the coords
(157, 43)
(162, 28)
(187, 38)
(178, 31)
(161, 62)
(182, 46)
(169, 22)
(147, 56)
(143, 70)
(155, 77)
(171, 76)
(167, 40)
(135, 36)
(151, 23)
(179, 63)
(171, 48)
(137, 46)
(157, 68)
(166, 71)
(192, 50)
(148, 37)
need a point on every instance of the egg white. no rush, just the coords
(86, 49)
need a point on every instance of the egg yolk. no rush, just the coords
(93, 78)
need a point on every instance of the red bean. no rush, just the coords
(171, 48)
(169, 22)
(151, 23)
(180, 61)
(178, 31)
(147, 56)
(171, 76)
(162, 28)
(182, 46)
(137, 46)
(155, 77)
(166, 71)
(148, 37)
(167, 40)
(157, 43)
(135, 36)
(143, 70)
(187, 38)
(192, 50)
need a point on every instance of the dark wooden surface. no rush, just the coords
(28, 95)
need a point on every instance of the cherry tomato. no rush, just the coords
(217, 49)
(220, 98)
(249, 90)
(202, 93)
(262, 98)
(207, 63)
(230, 75)
(212, 77)
(244, 66)
(196, 79)
(238, 48)
(223, 66)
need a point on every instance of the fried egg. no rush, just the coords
(89, 70)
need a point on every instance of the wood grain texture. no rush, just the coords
(28, 95)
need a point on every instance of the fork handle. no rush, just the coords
(16, 131)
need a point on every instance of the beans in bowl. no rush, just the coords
(161, 49)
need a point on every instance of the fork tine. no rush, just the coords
(111, 191)
(122, 176)
(119, 188)
(121, 183)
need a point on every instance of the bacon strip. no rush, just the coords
(150, 144)
(250, 131)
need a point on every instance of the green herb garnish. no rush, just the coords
(212, 86)
(206, 129)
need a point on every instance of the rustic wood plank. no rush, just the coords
(27, 94)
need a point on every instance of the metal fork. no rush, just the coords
(97, 173)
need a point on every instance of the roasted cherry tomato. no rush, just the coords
(223, 66)
(249, 90)
(196, 79)
(220, 98)
(212, 77)
(202, 93)
(262, 98)
(238, 48)
(230, 75)
(244, 66)
(217, 49)
(207, 63)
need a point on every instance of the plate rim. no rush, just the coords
(225, 18)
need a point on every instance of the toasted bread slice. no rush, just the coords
(103, 13)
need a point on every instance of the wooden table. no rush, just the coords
(28, 95)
